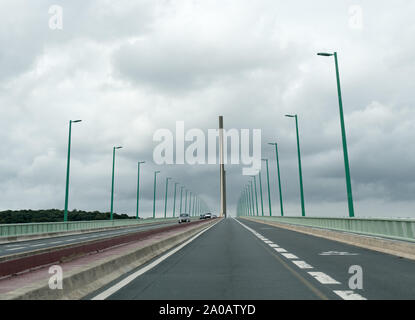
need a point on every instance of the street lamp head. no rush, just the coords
(155, 172)
(140, 162)
(290, 115)
(264, 159)
(324, 54)
(75, 121)
(272, 143)
(119, 147)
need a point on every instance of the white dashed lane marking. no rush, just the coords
(302, 264)
(349, 295)
(319, 276)
(17, 248)
(289, 256)
(323, 278)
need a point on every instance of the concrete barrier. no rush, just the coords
(399, 248)
(398, 229)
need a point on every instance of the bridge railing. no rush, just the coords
(399, 229)
(23, 229)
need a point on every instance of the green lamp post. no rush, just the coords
(299, 163)
(65, 215)
(256, 196)
(138, 186)
(343, 132)
(279, 176)
(181, 199)
(154, 194)
(174, 201)
(165, 197)
(260, 192)
(112, 185)
(269, 191)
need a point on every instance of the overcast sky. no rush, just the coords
(128, 68)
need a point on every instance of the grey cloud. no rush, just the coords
(26, 34)
(128, 69)
(186, 65)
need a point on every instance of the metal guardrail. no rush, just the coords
(23, 229)
(399, 229)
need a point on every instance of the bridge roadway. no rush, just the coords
(240, 259)
(36, 244)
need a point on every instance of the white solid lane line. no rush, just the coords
(38, 245)
(105, 294)
(302, 264)
(349, 295)
(17, 248)
(323, 278)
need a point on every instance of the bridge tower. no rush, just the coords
(222, 170)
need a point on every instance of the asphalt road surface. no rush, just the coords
(35, 244)
(239, 259)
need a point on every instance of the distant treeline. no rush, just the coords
(54, 215)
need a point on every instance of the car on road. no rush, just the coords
(202, 216)
(184, 217)
(208, 215)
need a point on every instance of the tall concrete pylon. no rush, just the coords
(222, 171)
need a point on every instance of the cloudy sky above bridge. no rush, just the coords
(128, 68)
